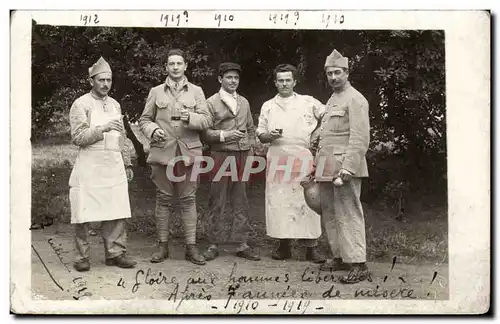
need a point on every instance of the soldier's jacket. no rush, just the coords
(344, 135)
(179, 135)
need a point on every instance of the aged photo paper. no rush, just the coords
(377, 116)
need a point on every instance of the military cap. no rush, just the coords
(100, 66)
(335, 59)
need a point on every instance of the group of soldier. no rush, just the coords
(178, 120)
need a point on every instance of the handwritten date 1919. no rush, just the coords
(284, 18)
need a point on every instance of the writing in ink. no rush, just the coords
(81, 286)
(174, 19)
(399, 292)
(223, 18)
(201, 281)
(331, 293)
(247, 305)
(316, 276)
(188, 295)
(87, 19)
(235, 278)
(59, 251)
(284, 18)
(334, 18)
(288, 293)
(300, 306)
(151, 279)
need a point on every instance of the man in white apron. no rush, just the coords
(98, 182)
(287, 122)
(343, 141)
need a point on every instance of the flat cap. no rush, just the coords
(229, 66)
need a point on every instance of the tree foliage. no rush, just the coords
(401, 73)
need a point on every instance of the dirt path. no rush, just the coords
(179, 280)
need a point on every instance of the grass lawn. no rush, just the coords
(421, 238)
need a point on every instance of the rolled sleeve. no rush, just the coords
(81, 133)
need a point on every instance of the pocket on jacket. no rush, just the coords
(188, 104)
(193, 145)
(161, 104)
(337, 120)
(162, 100)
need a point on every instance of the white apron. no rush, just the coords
(287, 214)
(98, 182)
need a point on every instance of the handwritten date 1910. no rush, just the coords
(223, 18)
(332, 18)
(245, 305)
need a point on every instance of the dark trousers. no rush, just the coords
(222, 189)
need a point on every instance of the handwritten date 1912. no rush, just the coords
(89, 19)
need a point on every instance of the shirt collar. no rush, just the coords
(224, 93)
(345, 87)
(96, 97)
(278, 97)
(171, 83)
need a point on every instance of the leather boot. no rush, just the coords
(284, 250)
(313, 255)
(211, 253)
(334, 265)
(194, 255)
(82, 265)
(161, 254)
(122, 261)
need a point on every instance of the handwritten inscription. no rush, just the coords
(234, 278)
(400, 292)
(79, 285)
(80, 288)
(89, 19)
(58, 249)
(294, 292)
(223, 19)
(284, 18)
(179, 19)
(150, 279)
(335, 19)
(187, 294)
